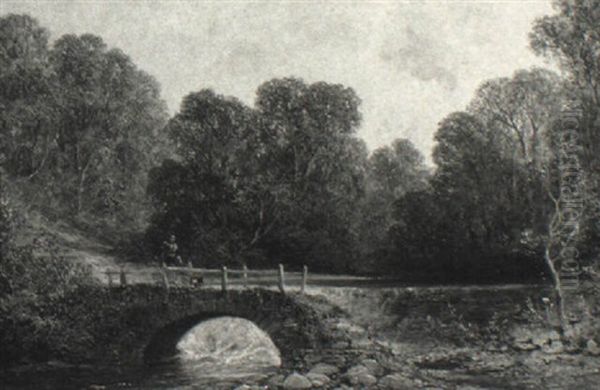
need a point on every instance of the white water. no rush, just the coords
(227, 347)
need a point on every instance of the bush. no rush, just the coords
(32, 325)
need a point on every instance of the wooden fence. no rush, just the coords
(196, 277)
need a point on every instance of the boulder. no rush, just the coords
(335, 360)
(591, 348)
(525, 345)
(296, 381)
(325, 369)
(276, 381)
(360, 376)
(318, 380)
(373, 366)
(554, 347)
(397, 382)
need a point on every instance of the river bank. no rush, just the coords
(400, 338)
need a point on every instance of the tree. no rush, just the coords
(473, 183)
(26, 117)
(392, 171)
(275, 183)
(110, 114)
(521, 108)
(203, 196)
(321, 164)
(79, 123)
(571, 37)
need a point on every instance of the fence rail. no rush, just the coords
(197, 277)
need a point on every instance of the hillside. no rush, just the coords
(69, 238)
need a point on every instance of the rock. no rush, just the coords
(276, 381)
(243, 387)
(318, 380)
(373, 366)
(335, 360)
(360, 376)
(365, 380)
(491, 363)
(325, 369)
(342, 344)
(554, 347)
(397, 382)
(591, 348)
(357, 370)
(296, 381)
(525, 345)
(545, 338)
(553, 335)
(361, 343)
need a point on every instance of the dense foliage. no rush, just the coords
(83, 132)
(79, 123)
(32, 293)
(275, 183)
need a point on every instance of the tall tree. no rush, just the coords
(474, 185)
(110, 114)
(26, 116)
(571, 37)
(202, 197)
(322, 164)
(274, 183)
(522, 110)
(392, 172)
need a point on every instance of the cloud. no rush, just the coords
(411, 63)
(240, 58)
(422, 58)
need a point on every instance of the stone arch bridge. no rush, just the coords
(137, 323)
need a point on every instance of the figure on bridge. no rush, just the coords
(170, 256)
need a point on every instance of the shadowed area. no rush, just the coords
(163, 345)
(213, 340)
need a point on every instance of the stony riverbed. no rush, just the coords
(477, 338)
(397, 338)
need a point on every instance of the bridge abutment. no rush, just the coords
(138, 323)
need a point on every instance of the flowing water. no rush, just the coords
(224, 352)
(217, 353)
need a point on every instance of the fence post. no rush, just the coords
(224, 280)
(304, 279)
(123, 277)
(165, 279)
(281, 279)
(245, 276)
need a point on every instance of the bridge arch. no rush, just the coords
(146, 322)
(163, 343)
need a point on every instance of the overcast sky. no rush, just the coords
(411, 63)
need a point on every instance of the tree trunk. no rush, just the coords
(81, 185)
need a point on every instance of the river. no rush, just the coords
(446, 336)
(218, 353)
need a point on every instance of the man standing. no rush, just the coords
(170, 251)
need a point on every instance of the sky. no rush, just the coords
(411, 62)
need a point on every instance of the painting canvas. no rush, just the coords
(299, 194)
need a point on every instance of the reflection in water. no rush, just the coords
(226, 347)
(216, 354)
